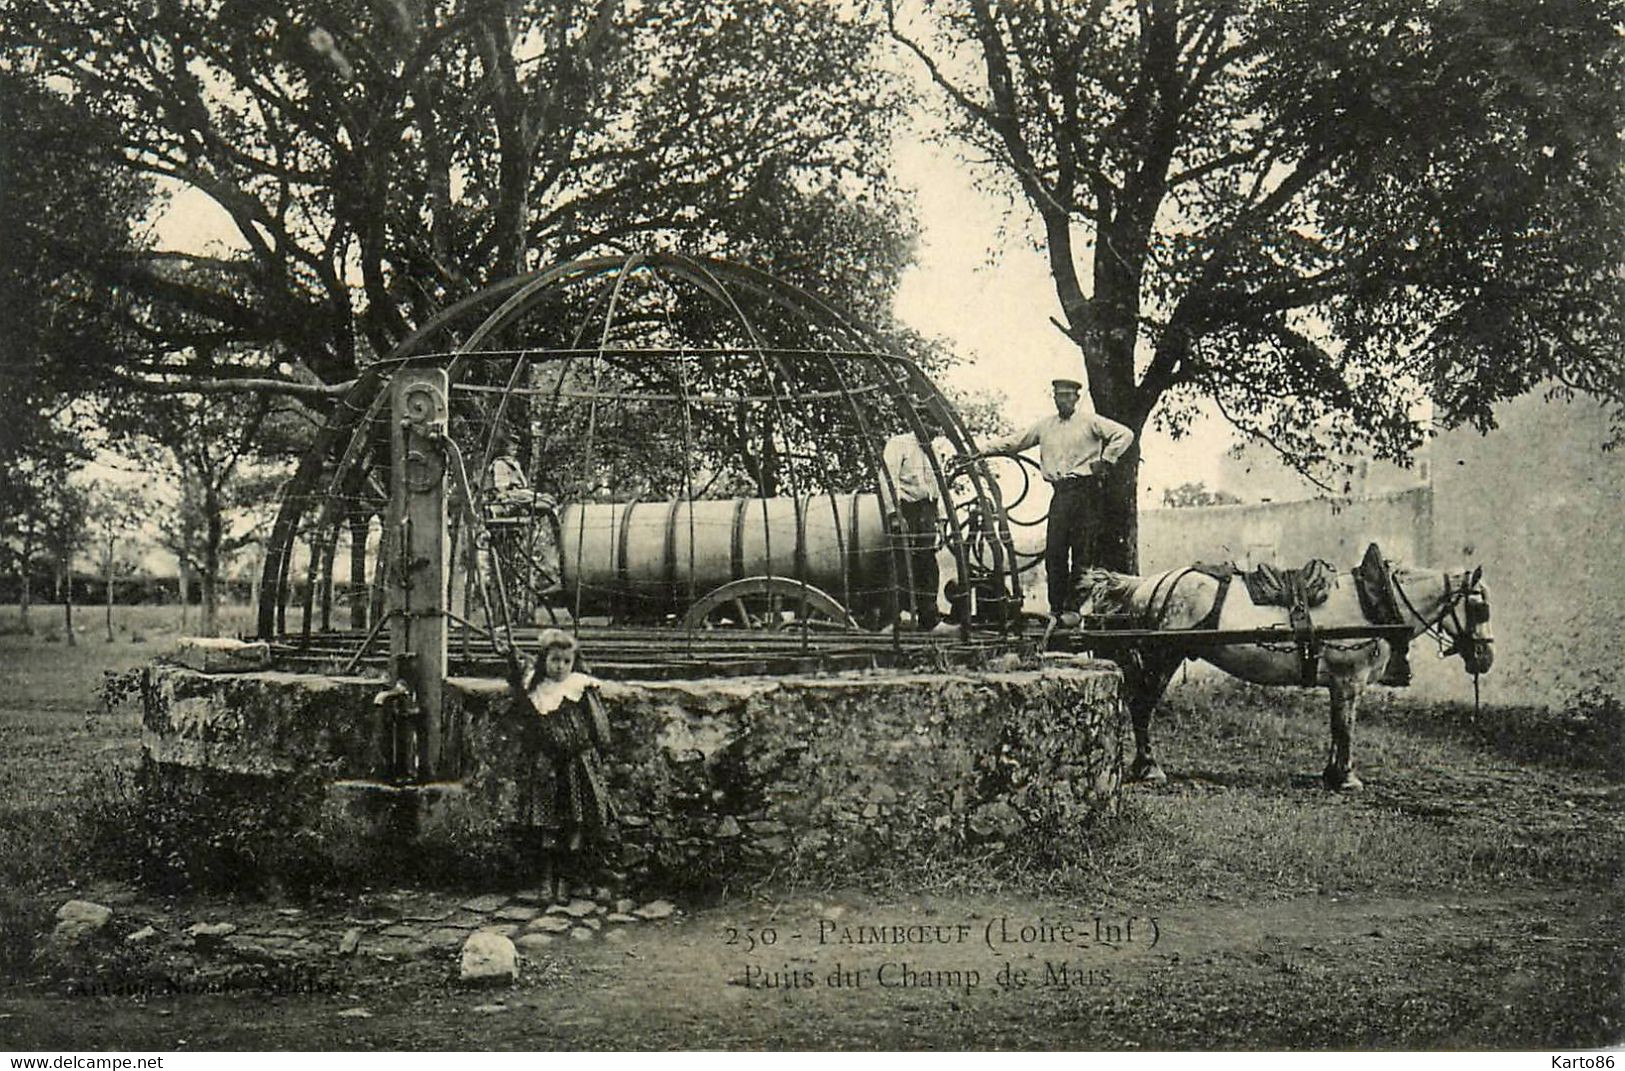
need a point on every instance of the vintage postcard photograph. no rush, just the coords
(880, 525)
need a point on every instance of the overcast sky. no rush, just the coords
(981, 284)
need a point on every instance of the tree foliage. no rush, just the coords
(1315, 217)
(379, 160)
(1195, 493)
(211, 451)
(65, 213)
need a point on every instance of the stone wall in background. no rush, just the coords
(1288, 534)
(1537, 502)
(714, 779)
(1540, 505)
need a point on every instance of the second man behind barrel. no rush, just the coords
(911, 480)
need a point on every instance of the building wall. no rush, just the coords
(1541, 506)
(1256, 473)
(1537, 502)
(1287, 534)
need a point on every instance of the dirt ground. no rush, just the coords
(1535, 969)
(1531, 965)
(1470, 898)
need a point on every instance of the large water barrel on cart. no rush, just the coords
(648, 560)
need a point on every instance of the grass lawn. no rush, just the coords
(1469, 898)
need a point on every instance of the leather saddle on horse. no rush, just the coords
(1295, 589)
(1299, 590)
(1306, 587)
(1269, 586)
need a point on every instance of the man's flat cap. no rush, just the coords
(1066, 384)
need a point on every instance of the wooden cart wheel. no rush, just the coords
(768, 603)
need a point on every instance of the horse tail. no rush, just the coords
(1108, 590)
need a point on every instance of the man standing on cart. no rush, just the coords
(1075, 450)
(909, 492)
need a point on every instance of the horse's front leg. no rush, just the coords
(1145, 680)
(1144, 767)
(1339, 774)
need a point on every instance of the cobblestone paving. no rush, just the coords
(374, 929)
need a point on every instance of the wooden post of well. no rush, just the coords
(417, 516)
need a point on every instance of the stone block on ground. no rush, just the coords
(443, 937)
(549, 924)
(489, 959)
(78, 919)
(350, 940)
(517, 913)
(205, 934)
(394, 948)
(533, 943)
(207, 654)
(485, 904)
(655, 910)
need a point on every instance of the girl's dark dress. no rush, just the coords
(565, 722)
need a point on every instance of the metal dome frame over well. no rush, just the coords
(677, 458)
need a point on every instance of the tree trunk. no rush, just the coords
(1120, 536)
(324, 575)
(186, 596)
(67, 606)
(358, 568)
(107, 578)
(1109, 359)
(208, 608)
(214, 534)
(27, 594)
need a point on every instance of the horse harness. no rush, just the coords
(1296, 590)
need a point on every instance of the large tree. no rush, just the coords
(381, 159)
(1313, 216)
(65, 211)
(34, 488)
(219, 456)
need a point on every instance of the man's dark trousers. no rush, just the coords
(1072, 537)
(918, 540)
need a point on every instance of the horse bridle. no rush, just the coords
(1464, 606)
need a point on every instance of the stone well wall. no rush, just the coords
(743, 775)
